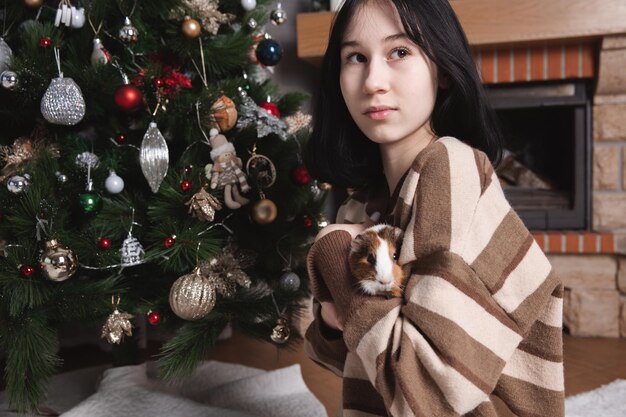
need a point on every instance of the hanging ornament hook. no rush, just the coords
(57, 57)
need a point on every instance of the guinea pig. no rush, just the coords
(373, 260)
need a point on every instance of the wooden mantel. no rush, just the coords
(499, 22)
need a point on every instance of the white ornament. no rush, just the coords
(154, 157)
(114, 183)
(248, 5)
(5, 55)
(78, 18)
(99, 55)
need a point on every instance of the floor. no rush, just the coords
(589, 363)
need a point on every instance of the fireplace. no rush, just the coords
(546, 168)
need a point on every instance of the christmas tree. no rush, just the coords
(150, 167)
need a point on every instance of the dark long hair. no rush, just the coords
(339, 153)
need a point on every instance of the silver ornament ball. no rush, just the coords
(252, 24)
(278, 16)
(62, 178)
(128, 33)
(18, 183)
(114, 183)
(8, 79)
(289, 281)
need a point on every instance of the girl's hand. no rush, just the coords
(330, 315)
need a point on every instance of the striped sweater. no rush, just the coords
(478, 330)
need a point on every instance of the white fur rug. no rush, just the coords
(607, 401)
(216, 389)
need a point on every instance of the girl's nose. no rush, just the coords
(376, 78)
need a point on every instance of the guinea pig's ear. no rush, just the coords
(357, 243)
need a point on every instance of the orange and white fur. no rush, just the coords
(373, 260)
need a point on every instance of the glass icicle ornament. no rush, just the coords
(154, 157)
(5, 55)
(63, 102)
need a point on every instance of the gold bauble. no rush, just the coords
(192, 296)
(224, 111)
(191, 28)
(57, 263)
(264, 211)
(280, 332)
(33, 3)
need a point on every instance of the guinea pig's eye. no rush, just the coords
(396, 256)
(371, 259)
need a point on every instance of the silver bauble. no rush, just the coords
(18, 183)
(62, 178)
(278, 15)
(128, 33)
(154, 157)
(252, 24)
(5, 55)
(63, 102)
(192, 296)
(8, 79)
(57, 263)
(289, 281)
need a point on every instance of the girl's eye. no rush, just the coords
(396, 256)
(371, 259)
(399, 53)
(356, 58)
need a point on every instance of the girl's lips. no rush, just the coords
(379, 114)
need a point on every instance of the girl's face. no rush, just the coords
(388, 84)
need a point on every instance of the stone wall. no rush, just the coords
(595, 284)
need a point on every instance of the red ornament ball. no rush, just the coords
(128, 98)
(27, 271)
(168, 242)
(154, 318)
(45, 42)
(185, 185)
(104, 243)
(307, 222)
(121, 138)
(300, 175)
(271, 108)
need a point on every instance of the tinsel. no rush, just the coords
(204, 10)
(265, 123)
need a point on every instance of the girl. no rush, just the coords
(478, 328)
